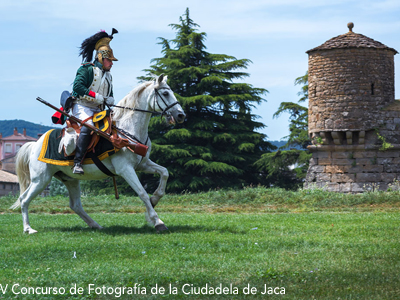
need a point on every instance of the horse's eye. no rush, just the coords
(165, 93)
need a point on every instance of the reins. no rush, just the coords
(154, 112)
(137, 109)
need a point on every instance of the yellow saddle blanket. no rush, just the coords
(49, 153)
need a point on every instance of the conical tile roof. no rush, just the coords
(351, 40)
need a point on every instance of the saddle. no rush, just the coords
(102, 121)
(51, 154)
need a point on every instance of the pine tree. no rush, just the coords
(288, 168)
(218, 144)
(298, 126)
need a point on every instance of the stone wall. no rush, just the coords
(7, 188)
(348, 88)
(8, 164)
(353, 169)
(390, 127)
(352, 162)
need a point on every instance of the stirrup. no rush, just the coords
(78, 169)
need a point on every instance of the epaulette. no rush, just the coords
(87, 64)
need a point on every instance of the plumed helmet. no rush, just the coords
(99, 42)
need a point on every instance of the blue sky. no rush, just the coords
(40, 41)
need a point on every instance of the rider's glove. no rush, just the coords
(96, 97)
(99, 98)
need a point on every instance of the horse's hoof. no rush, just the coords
(95, 226)
(30, 231)
(161, 227)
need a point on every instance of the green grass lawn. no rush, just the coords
(308, 246)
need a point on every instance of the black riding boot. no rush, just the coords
(81, 147)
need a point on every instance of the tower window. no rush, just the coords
(372, 89)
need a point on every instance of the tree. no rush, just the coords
(56, 188)
(106, 186)
(285, 169)
(298, 127)
(288, 168)
(218, 144)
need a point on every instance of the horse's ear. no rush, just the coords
(160, 78)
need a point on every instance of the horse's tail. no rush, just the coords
(22, 168)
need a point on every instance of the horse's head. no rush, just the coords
(165, 101)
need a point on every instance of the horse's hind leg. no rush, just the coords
(34, 189)
(74, 191)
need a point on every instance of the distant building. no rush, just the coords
(8, 183)
(9, 147)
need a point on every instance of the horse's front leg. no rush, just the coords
(151, 167)
(129, 174)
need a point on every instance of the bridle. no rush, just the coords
(154, 112)
(167, 107)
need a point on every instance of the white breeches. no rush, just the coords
(83, 112)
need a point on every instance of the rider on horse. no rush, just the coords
(92, 87)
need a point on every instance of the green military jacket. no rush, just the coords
(85, 81)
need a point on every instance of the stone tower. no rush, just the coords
(353, 119)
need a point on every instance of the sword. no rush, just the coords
(137, 148)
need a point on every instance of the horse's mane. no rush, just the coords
(130, 100)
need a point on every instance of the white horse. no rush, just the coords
(35, 175)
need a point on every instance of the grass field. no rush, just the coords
(307, 244)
